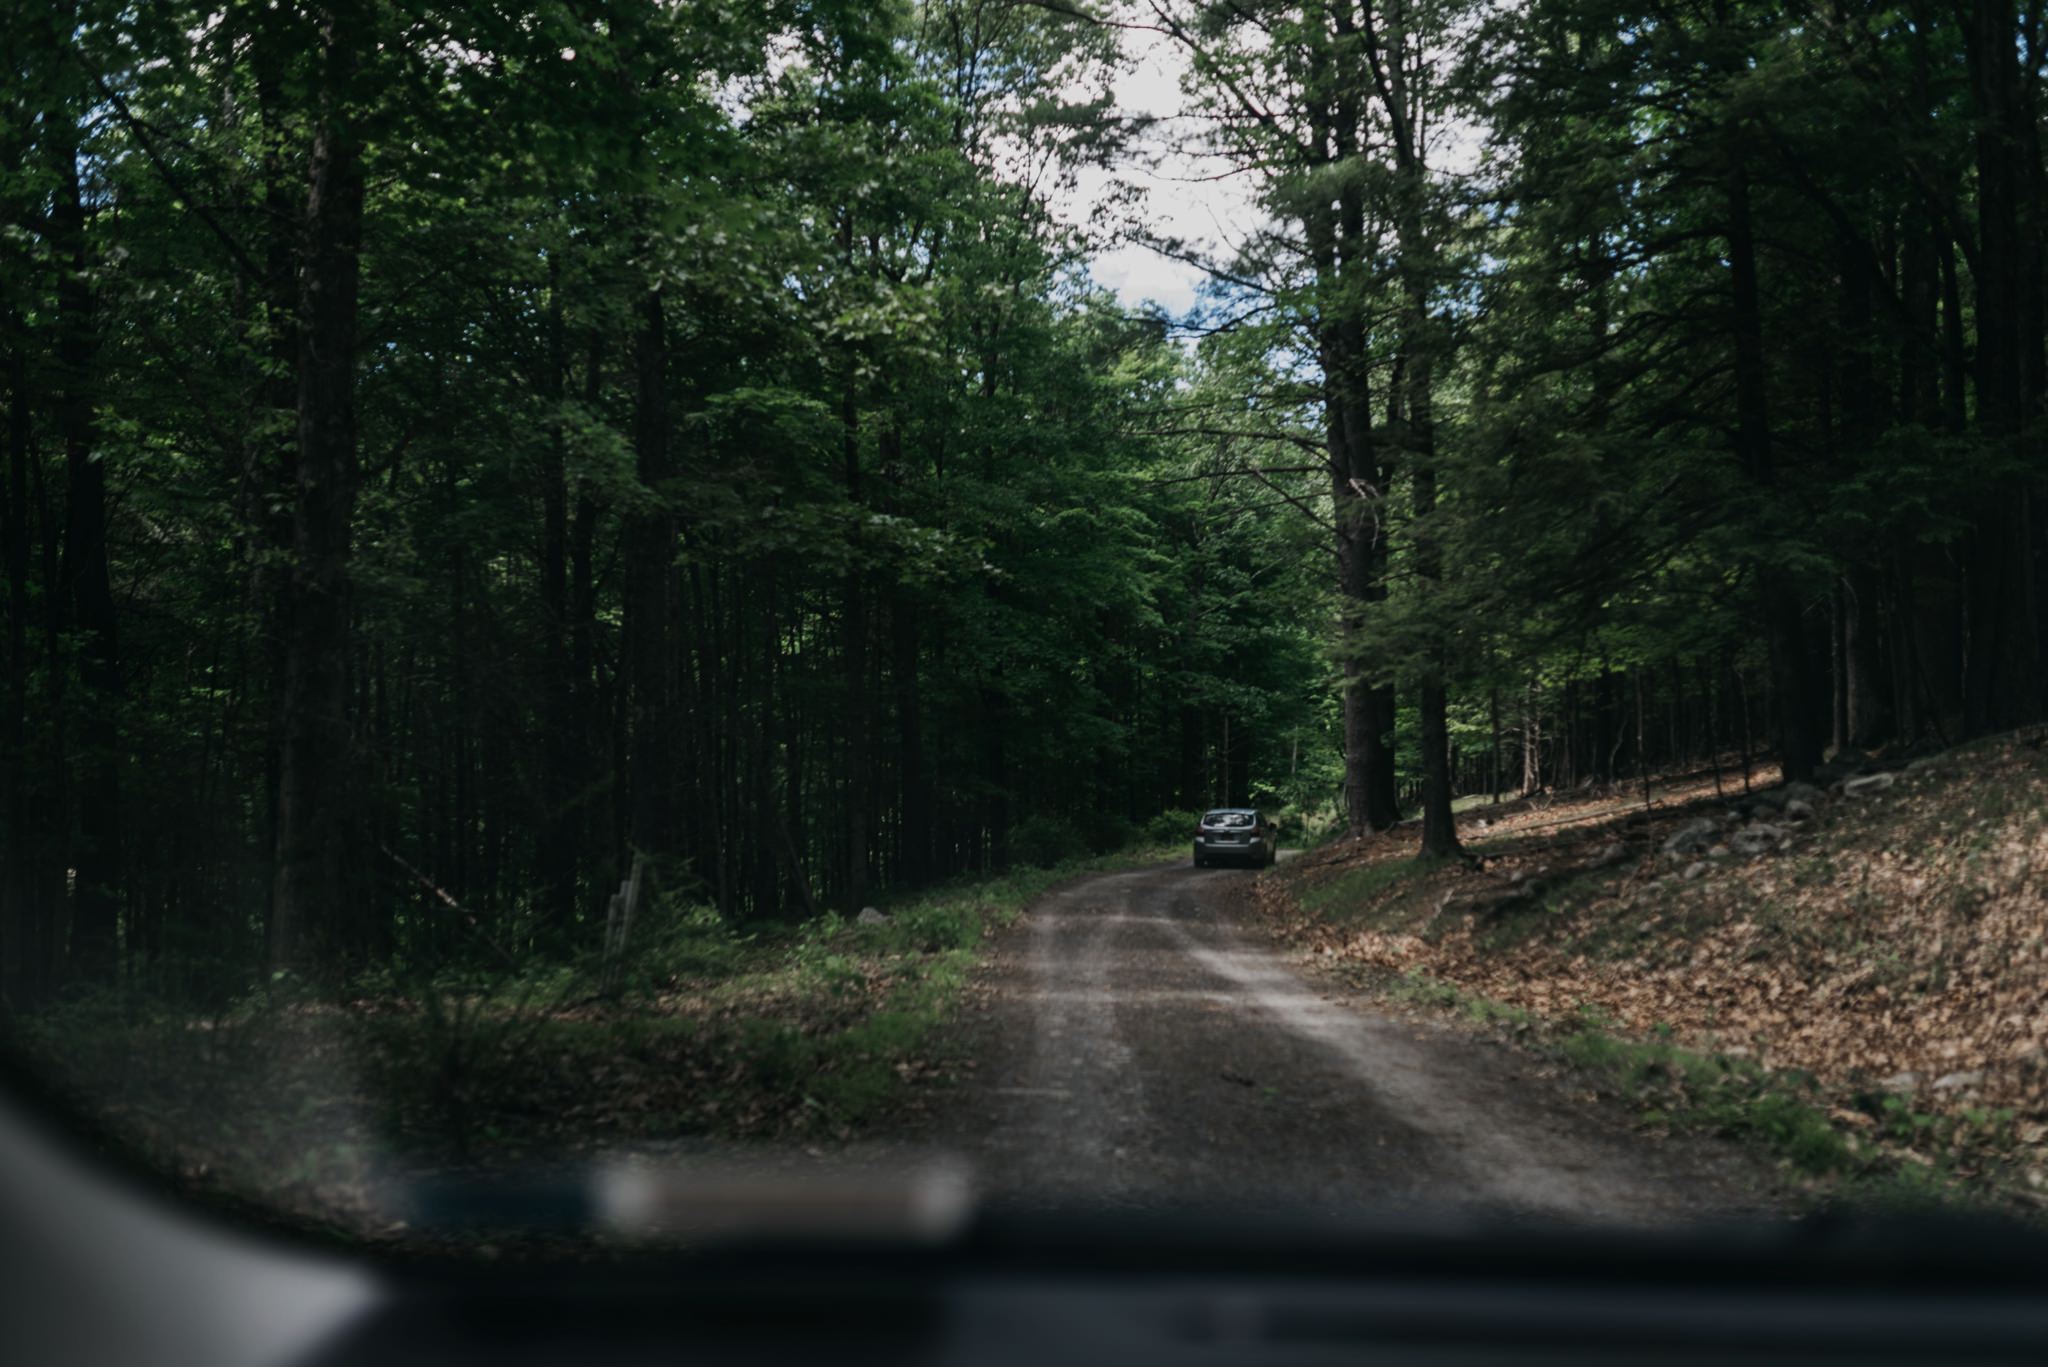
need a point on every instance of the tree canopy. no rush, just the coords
(456, 449)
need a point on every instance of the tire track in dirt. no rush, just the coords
(1135, 1047)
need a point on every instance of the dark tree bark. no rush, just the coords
(1793, 676)
(267, 485)
(591, 773)
(24, 941)
(1863, 711)
(1955, 367)
(1999, 680)
(558, 828)
(914, 853)
(995, 724)
(1532, 740)
(313, 830)
(1417, 395)
(96, 857)
(1439, 826)
(853, 622)
(649, 552)
(1358, 484)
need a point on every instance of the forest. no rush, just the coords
(454, 450)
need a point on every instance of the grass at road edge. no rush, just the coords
(1875, 1151)
(302, 1105)
(911, 972)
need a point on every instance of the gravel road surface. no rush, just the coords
(1135, 1046)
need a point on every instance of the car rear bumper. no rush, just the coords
(1245, 853)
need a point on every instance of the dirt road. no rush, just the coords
(1137, 1047)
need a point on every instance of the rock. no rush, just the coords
(1954, 1082)
(870, 916)
(1718, 852)
(1798, 809)
(1760, 803)
(1612, 853)
(1847, 763)
(1690, 838)
(1757, 839)
(1924, 763)
(1802, 792)
(1901, 1082)
(1696, 869)
(1868, 785)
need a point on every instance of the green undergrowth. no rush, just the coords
(1391, 894)
(713, 1032)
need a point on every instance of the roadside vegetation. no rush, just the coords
(1861, 984)
(306, 1104)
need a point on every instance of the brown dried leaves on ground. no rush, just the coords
(1895, 941)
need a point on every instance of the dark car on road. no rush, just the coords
(1234, 834)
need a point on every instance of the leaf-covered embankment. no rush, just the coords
(1875, 951)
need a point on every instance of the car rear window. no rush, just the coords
(1229, 819)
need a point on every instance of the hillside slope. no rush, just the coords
(1878, 947)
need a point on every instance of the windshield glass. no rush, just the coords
(1173, 605)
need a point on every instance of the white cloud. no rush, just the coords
(1172, 190)
(1138, 275)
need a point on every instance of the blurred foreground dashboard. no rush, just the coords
(99, 1269)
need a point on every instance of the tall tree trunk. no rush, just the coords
(853, 623)
(268, 483)
(591, 771)
(1439, 826)
(1864, 690)
(1357, 483)
(915, 852)
(1532, 740)
(650, 549)
(1793, 676)
(1999, 684)
(1493, 762)
(96, 857)
(24, 947)
(314, 755)
(314, 866)
(558, 833)
(1400, 103)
